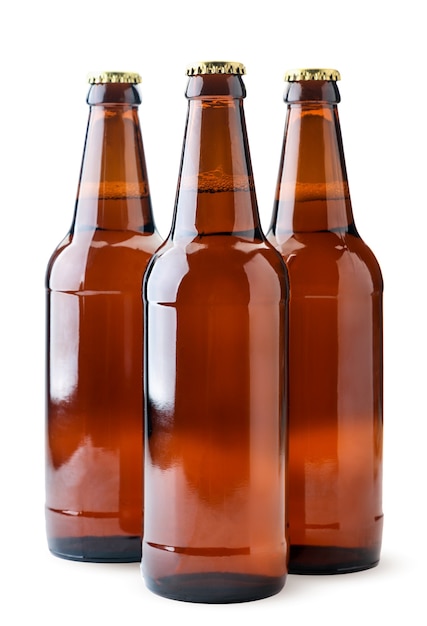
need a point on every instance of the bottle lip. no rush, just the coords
(293, 76)
(100, 78)
(216, 67)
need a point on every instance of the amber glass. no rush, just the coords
(335, 346)
(94, 333)
(215, 297)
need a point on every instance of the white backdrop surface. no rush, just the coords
(47, 49)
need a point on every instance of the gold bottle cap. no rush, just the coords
(216, 67)
(292, 76)
(114, 77)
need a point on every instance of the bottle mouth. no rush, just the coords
(114, 94)
(312, 92)
(218, 87)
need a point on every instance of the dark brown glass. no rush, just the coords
(215, 297)
(335, 346)
(94, 457)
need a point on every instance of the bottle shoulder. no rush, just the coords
(218, 268)
(101, 260)
(330, 261)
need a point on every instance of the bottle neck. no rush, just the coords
(216, 193)
(113, 191)
(312, 191)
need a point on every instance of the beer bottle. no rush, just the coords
(335, 341)
(94, 334)
(215, 298)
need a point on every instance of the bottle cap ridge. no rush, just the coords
(114, 77)
(292, 76)
(216, 67)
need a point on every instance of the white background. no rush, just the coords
(47, 48)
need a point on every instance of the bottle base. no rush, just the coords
(114, 549)
(215, 587)
(330, 560)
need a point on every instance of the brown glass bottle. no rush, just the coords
(215, 297)
(94, 458)
(335, 342)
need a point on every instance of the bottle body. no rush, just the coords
(94, 460)
(215, 310)
(335, 348)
